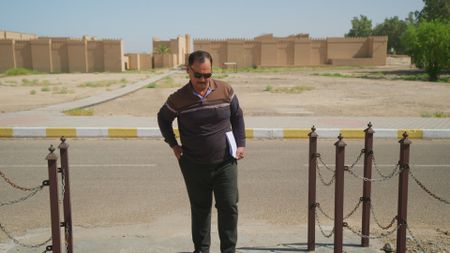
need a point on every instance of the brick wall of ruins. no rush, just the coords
(295, 50)
(55, 55)
(178, 49)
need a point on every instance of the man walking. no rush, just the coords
(212, 135)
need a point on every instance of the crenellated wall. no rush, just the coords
(295, 50)
(51, 54)
(17, 35)
(178, 49)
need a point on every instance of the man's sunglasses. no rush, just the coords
(200, 75)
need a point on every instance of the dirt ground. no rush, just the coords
(303, 93)
(19, 93)
(293, 92)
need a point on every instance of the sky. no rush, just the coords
(137, 21)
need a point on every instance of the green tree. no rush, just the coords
(428, 44)
(413, 18)
(393, 28)
(361, 27)
(435, 10)
(162, 49)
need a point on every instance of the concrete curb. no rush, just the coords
(252, 133)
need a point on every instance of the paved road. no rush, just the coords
(129, 183)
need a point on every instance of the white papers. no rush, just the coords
(231, 144)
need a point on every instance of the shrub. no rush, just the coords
(20, 72)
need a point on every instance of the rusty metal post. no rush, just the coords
(367, 185)
(52, 158)
(403, 193)
(312, 189)
(339, 195)
(66, 204)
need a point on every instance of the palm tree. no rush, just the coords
(162, 49)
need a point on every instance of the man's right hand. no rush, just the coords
(178, 151)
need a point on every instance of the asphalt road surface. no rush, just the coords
(137, 181)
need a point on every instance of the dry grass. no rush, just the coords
(288, 90)
(79, 112)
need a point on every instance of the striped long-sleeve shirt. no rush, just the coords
(203, 122)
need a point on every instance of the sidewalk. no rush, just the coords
(171, 234)
(53, 124)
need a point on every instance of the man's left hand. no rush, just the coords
(240, 153)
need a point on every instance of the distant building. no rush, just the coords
(171, 53)
(295, 50)
(88, 54)
(138, 61)
(52, 54)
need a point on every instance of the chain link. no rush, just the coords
(427, 190)
(323, 212)
(378, 222)
(63, 192)
(23, 244)
(357, 159)
(322, 179)
(320, 227)
(390, 175)
(345, 217)
(417, 242)
(36, 190)
(395, 173)
(323, 163)
(7, 180)
(354, 210)
(358, 233)
(63, 188)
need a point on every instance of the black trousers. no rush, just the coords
(202, 181)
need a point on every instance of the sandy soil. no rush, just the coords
(321, 96)
(290, 93)
(18, 93)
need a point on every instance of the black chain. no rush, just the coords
(7, 180)
(357, 159)
(395, 172)
(390, 175)
(427, 190)
(36, 190)
(358, 233)
(322, 179)
(354, 210)
(321, 229)
(417, 242)
(23, 244)
(323, 163)
(345, 217)
(378, 222)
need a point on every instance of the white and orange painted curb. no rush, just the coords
(252, 133)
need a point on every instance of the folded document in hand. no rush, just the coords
(231, 143)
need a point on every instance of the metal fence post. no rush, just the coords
(403, 193)
(339, 195)
(312, 189)
(52, 158)
(367, 185)
(63, 147)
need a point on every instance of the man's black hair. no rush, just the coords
(200, 56)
